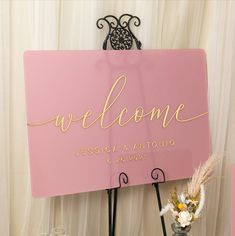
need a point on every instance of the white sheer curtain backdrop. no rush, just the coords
(51, 24)
(4, 120)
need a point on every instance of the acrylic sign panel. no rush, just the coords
(94, 114)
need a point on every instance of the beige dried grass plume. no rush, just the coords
(201, 176)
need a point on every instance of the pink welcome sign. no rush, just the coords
(94, 114)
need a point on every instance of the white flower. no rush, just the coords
(182, 198)
(169, 207)
(194, 202)
(184, 218)
(174, 214)
(166, 208)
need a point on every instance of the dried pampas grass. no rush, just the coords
(201, 176)
(187, 206)
(201, 203)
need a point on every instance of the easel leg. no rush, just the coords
(112, 209)
(112, 206)
(156, 185)
(109, 192)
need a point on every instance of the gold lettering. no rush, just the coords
(107, 105)
(59, 122)
(138, 146)
(117, 89)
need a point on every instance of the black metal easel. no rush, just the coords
(121, 37)
(112, 203)
(158, 180)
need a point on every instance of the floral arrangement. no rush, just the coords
(186, 207)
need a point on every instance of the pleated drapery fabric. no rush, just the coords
(48, 24)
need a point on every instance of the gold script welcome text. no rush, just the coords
(64, 123)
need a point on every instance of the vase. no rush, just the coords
(180, 231)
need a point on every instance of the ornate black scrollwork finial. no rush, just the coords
(120, 34)
(155, 175)
(123, 178)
